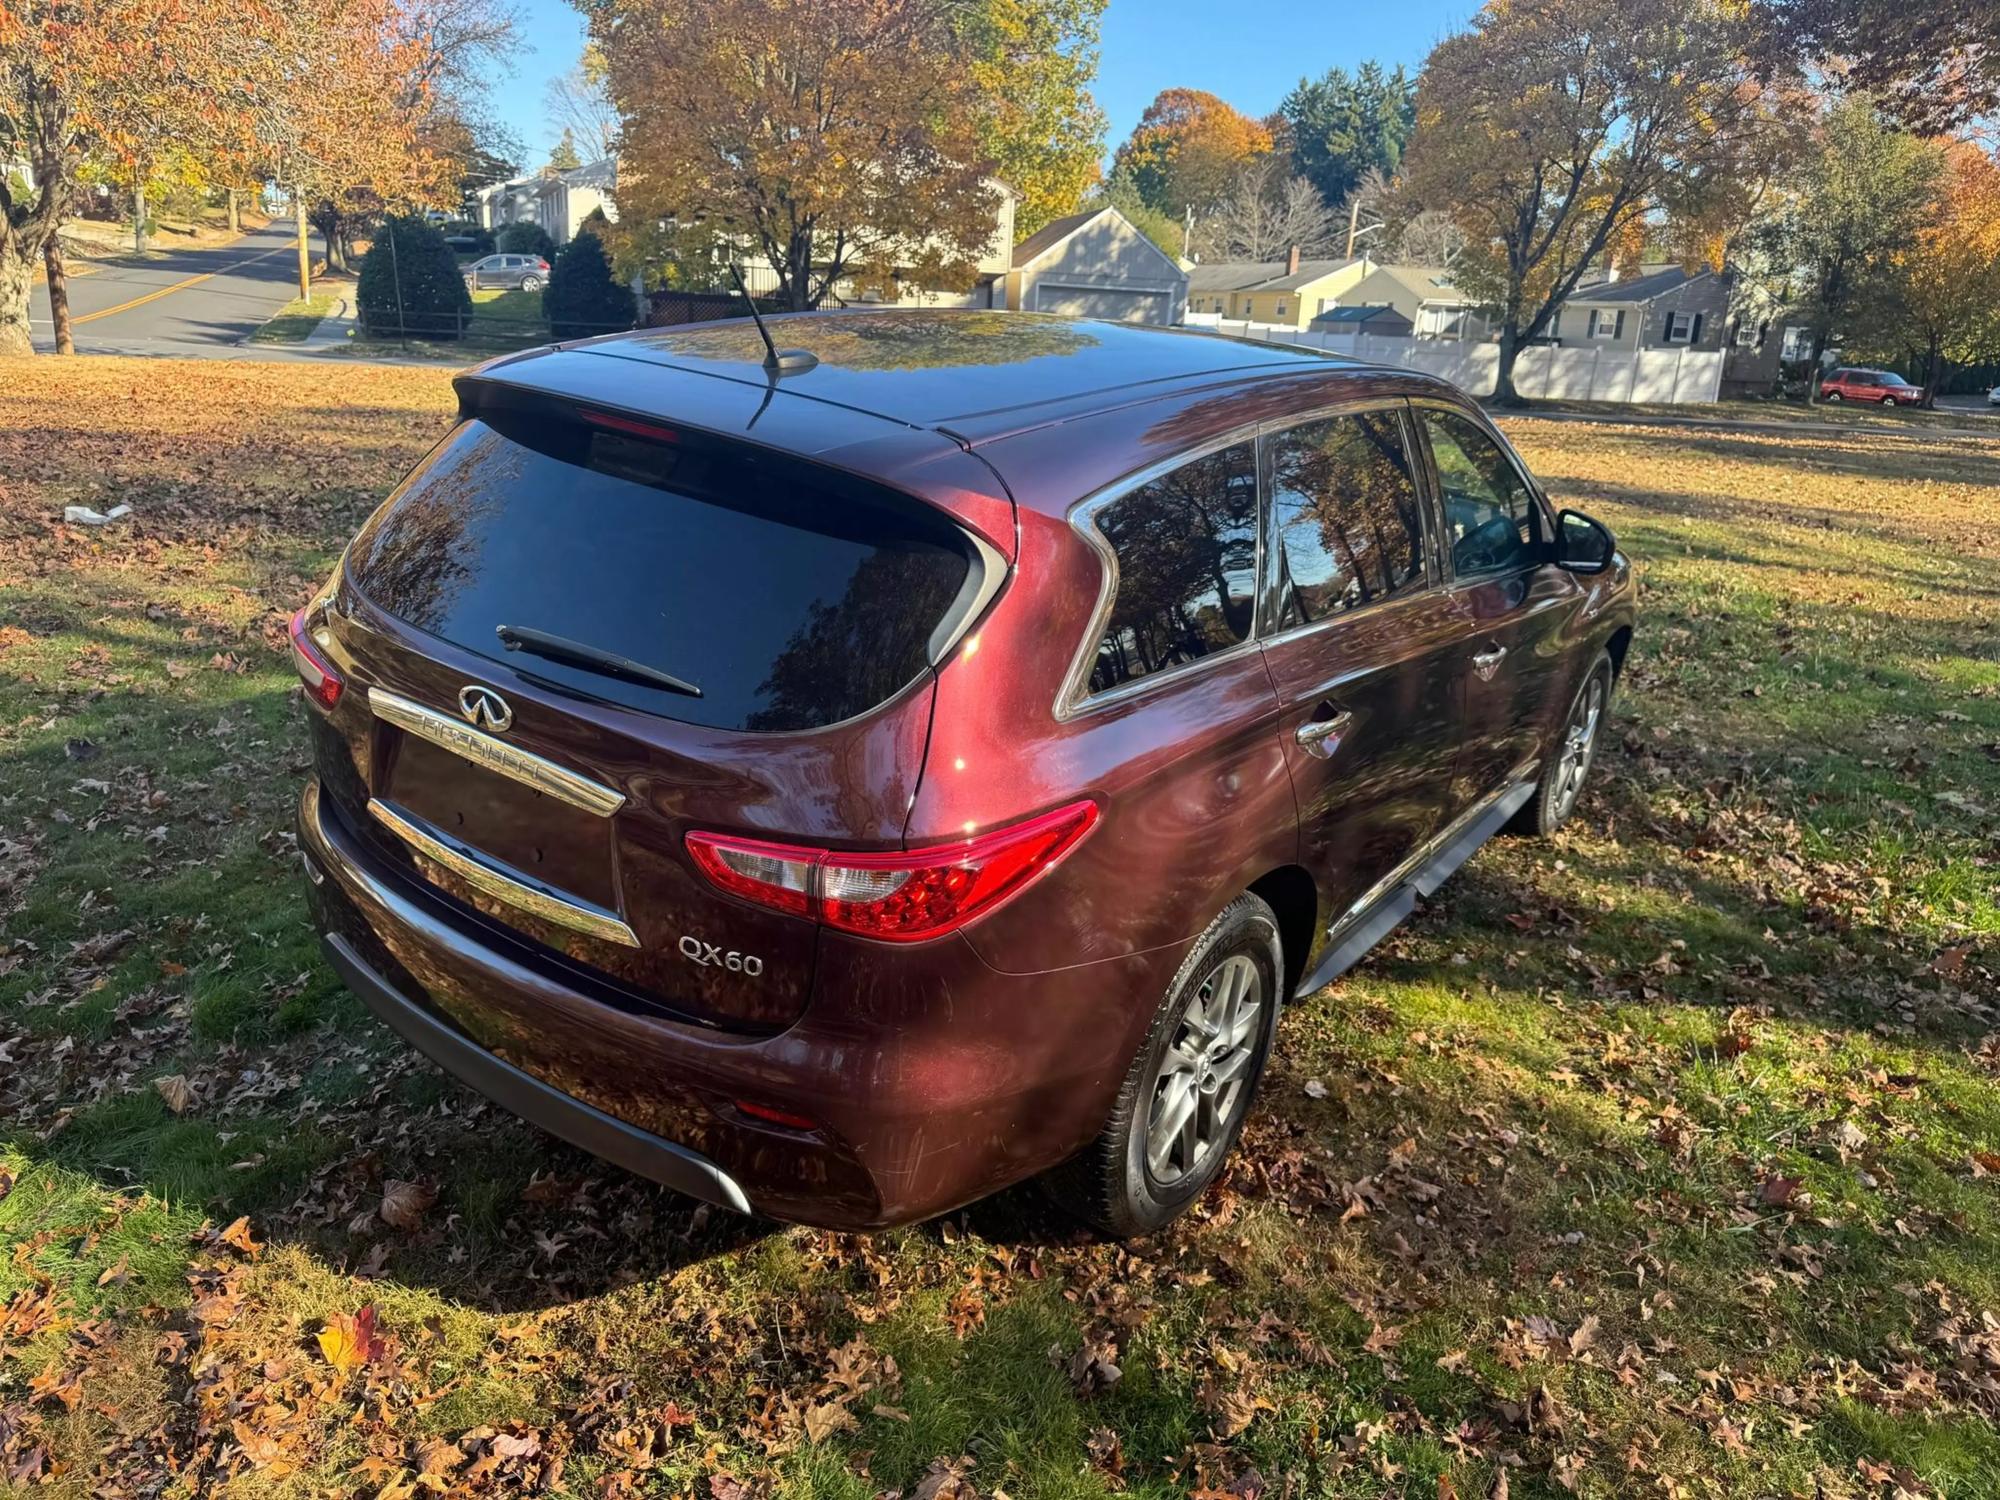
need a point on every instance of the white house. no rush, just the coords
(558, 202)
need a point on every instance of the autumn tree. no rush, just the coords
(1189, 149)
(1934, 65)
(1341, 126)
(1547, 129)
(1033, 62)
(1861, 195)
(840, 138)
(105, 77)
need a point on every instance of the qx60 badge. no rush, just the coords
(485, 708)
(713, 956)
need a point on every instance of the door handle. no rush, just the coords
(1486, 663)
(1321, 737)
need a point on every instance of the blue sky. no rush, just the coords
(1249, 54)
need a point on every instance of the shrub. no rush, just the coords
(525, 239)
(584, 297)
(433, 301)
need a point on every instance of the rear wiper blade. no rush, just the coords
(590, 658)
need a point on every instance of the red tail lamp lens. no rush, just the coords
(322, 682)
(904, 896)
(770, 1116)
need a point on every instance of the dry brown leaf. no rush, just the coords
(404, 1204)
(177, 1091)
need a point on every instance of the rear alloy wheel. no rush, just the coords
(531, 283)
(1568, 765)
(1188, 1091)
(1833, 397)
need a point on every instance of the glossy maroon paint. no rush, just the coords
(941, 1071)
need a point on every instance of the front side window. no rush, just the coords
(1187, 566)
(1347, 524)
(1491, 520)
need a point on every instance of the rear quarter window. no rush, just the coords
(792, 595)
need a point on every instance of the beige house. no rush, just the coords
(1289, 293)
(1096, 265)
(1426, 296)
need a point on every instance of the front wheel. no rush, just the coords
(1189, 1089)
(1568, 767)
(1889, 401)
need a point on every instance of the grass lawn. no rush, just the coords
(1838, 413)
(501, 321)
(1657, 1160)
(294, 322)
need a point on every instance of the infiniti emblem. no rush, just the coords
(485, 708)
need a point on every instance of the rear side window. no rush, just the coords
(791, 595)
(1348, 521)
(1187, 567)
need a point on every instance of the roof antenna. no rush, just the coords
(776, 361)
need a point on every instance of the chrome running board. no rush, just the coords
(1392, 898)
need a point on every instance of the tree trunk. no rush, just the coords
(1933, 375)
(1819, 338)
(305, 250)
(1504, 393)
(16, 282)
(52, 261)
(235, 219)
(139, 216)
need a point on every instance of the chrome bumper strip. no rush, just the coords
(495, 755)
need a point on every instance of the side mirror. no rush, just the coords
(1583, 545)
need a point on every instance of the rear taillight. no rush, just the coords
(322, 682)
(901, 897)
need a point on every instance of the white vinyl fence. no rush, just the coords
(1661, 376)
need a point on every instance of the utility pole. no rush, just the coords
(1353, 219)
(1187, 234)
(305, 250)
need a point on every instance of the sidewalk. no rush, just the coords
(334, 331)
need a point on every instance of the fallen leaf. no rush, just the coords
(350, 1342)
(177, 1091)
(404, 1204)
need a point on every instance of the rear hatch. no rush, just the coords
(573, 636)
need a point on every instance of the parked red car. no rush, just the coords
(840, 786)
(1885, 386)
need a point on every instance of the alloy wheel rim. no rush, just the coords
(1579, 746)
(1204, 1079)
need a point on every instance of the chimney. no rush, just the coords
(1292, 262)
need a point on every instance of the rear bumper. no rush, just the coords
(935, 1079)
(522, 1093)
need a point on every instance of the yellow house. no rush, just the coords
(1289, 293)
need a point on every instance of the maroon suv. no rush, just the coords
(841, 784)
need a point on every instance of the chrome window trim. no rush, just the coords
(537, 902)
(1073, 699)
(496, 755)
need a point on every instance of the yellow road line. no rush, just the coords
(180, 286)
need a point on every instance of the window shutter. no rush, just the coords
(1694, 331)
(1618, 327)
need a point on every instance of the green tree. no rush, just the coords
(564, 158)
(1033, 62)
(525, 238)
(584, 298)
(1121, 192)
(1858, 199)
(1341, 126)
(410, 282)
(1548, 130)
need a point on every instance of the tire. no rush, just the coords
(1123, 1183)
(1563, 781)
(531, 283)
(1888, 401)
(1832, 398)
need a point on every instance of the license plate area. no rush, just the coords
(519, 828)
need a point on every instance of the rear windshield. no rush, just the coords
(792, 596)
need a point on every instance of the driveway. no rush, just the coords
(185, 303)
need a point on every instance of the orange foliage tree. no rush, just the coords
(1189, 149)
(841, 138)
(107, 77)
(1946, 291)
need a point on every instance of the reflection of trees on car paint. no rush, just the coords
(416, 558)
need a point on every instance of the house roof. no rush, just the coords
(1425, 283)
(1359, 315)
(1638, 289)
(1260, 275)
(1052, 234)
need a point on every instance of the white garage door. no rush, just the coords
(1119, 305)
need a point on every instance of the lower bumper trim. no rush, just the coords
(523, 1094)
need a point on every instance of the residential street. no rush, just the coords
(185, 303)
